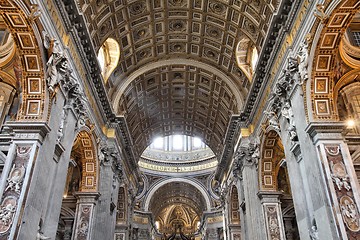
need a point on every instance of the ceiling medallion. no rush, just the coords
(217, 8)
(143, 54)
(177, 25)
(137, 8)
(177, 47)
(141, 33)
(250, 27)
(176, 2)
(213, 32)
(209, 53)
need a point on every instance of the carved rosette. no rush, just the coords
(13, 188)
(272, 221)
(344, 194)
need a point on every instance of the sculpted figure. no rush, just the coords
(40, 235)
(303, 61)
(15, 178)
(287, 113)
(273, 121)
(314, 235)
(320, 13)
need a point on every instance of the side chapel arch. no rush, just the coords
(272, 154)
(32, 82)
(322, 85)
(84, 149)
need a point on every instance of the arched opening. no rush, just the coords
(336, 54)
(108, 57)
(22, 48)
(274, 178)
(234, 206)
(247, 57)
(177, 208)
(9, 75)
(81, 177)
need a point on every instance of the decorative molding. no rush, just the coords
(285, 16)
(230, 141)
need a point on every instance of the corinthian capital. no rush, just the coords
(248, 154)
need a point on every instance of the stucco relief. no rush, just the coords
(274, 231)
(7, 211)
(343, 190)
(83, 224)
(13, 187)
(350, 213)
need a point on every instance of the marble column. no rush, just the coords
(273, 216)
(68, 228)
(84, 216)
(339, 180)
(247, 158)
(104, 224)
(16, 177)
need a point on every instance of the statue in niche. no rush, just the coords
(60, 133)
(102, 152)
(15, 179)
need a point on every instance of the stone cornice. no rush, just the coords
(264, 195)
(125, 140)
(76, 25)
(28, 130)
(279, 26)
(229, 144)
(325, 130)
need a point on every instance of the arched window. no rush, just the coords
(108, 57)
(254, 58)
(246, 57)
(349, 104)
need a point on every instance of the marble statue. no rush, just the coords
(273, 121)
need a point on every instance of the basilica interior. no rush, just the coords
(179, 119)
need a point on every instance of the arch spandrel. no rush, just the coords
(32, 83)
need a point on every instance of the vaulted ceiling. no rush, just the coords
(177, 72)
(177, 193)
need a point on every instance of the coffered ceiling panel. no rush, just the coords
(178, 72)
(178, 99)
(201, 29)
